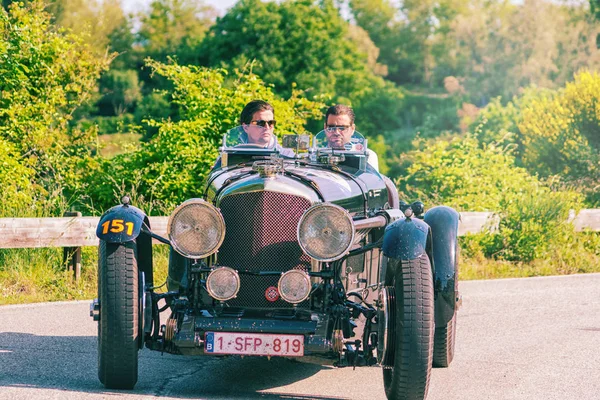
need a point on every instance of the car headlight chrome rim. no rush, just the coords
(294, 286)
(326, 232)
(223, 283)
(196, 229)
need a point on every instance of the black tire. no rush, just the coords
(118, 328)
(443, 348)
(412, 349)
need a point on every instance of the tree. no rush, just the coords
(307, 45)
(121, 89)
(468, 176)
(96, 21)
(47, 75)
(595, 8)
(173, 164)
(174, 28)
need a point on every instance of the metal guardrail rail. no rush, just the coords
(81, 231)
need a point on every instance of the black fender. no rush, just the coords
(124, 223)
(444, 232)
(405, 239)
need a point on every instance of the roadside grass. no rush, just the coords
(473, 268)
(38, 275)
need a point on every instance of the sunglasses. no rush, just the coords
(333, 128)
(263, 123)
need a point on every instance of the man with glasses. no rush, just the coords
(258, 123)
(339, 125)
(339, 128)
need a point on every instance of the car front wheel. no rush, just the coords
(410, 354)
(118, 328)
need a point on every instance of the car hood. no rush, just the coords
(349, 188)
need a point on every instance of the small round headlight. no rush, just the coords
(223, 283)
(325, 232)
(294, 286)
(196, 229)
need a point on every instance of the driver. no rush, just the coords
(258, 123)
(339, 128)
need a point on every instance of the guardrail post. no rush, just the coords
(72, 255)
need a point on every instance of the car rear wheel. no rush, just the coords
(407, 376)
(118, 328)
(443, 348)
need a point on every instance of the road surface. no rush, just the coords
(535, 338)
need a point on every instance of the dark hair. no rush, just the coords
(340, 109)
(252, 107)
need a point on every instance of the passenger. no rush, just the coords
(339, 128)
(339, 125)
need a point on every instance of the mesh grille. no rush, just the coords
(261, 235)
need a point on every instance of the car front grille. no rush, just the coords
(261, 236)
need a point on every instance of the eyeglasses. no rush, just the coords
(263, 123)
(333, 128)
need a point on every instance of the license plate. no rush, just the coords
(254, 344)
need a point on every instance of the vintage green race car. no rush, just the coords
(299, 251)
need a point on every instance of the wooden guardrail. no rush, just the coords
(81, 231)
(74, 231)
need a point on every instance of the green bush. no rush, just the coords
(561, 134)
(15, 182)
(123, 123)
(554, 133)
(460, 173)
(172, 166)
(463, 174)
(46, 74)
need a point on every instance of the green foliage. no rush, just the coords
(595, 8)
(46, 76)
(462, 174)
(174, 28)
(494, 48)
(554, 133)
(561, 134)
(108, 125)
(173, 165)
(121, 90)
(15, 181)
(307, 45)
(533, 224)
(497, 123)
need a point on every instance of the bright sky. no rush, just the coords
(138, 5)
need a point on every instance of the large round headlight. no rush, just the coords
(326, 232)
(196, 229)
(223, 283)
(294, 286)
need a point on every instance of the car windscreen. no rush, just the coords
(251, 138)
(345, 140)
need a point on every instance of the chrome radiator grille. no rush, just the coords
(261, 236)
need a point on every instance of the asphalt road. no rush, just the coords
(536, 338)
